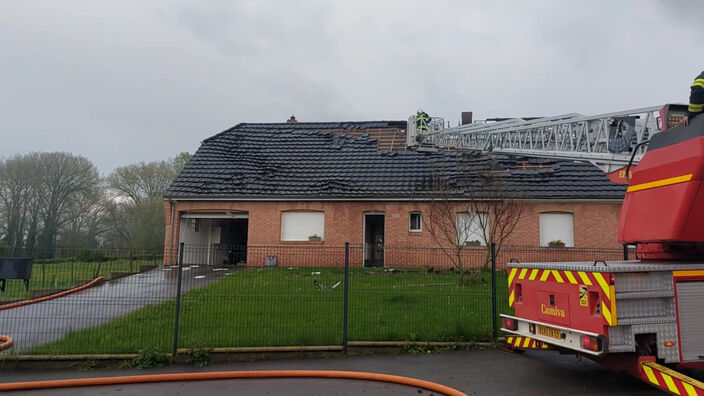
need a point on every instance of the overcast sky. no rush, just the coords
(127, 81)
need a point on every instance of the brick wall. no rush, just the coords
(595, 226)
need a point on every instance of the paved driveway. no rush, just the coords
(36, 324)
(485, 372)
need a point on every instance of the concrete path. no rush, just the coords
(481, 372)
(48, 321)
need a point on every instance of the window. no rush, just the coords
(414, 222)
(557, 227)
(299, 226)
(471, 228)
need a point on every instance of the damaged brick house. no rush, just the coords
(318, 185)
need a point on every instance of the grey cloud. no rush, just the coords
(122, 82)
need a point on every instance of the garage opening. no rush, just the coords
(214, 238)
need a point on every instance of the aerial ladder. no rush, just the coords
(645, 316)
(610, 141)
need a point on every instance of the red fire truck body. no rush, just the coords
(607, 308)
(631, 315)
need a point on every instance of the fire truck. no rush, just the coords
(644, 316)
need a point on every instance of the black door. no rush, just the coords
(374, 240)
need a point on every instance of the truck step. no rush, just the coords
(617, 348)
(646, 320)
(644, 294)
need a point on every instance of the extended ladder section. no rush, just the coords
(607, 140)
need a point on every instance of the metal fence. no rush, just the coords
(283, 295)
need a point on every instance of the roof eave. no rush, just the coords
(377, 198)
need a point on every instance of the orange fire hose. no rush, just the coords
(215, 375)
(220, 375)
(52, 296)
(5, 342)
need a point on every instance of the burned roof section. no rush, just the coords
(320, 161)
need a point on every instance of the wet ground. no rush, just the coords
(480, 372)
(48, 321)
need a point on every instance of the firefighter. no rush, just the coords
(422, 120)
(696, 99)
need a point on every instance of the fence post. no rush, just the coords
(625, 251)
(494, 325)
(345, 314)
(178, 299)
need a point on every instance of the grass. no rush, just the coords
(283, 306)
(63, 275)
(421, 306)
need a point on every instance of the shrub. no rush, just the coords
(149, 358)
(199, 357)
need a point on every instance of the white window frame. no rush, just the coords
(475, 231)
(549, 221)
(300, 232)
(420, 222)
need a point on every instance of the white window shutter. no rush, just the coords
(298, 226)
(557, 226)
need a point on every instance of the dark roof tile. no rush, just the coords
(302, 160)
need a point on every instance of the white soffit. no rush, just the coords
(225, 215)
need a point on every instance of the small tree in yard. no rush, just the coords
(475, 210)
(441, 222)
(497, 213)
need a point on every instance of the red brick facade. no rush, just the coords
(595, 222)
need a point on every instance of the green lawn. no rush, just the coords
(63, 275)
(282, 306)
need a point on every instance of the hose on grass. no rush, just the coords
(215, 375)
(220, 375)
(52, 296)
(7, 341)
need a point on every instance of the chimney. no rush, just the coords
(466, 117)
(293, 120)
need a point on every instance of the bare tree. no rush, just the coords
(441, 222)
(135, 218)
(50, 199)
(115, 222)
(38, 192)
(471, 208)
(64, 178)
(180, 161)
(496, 213)
(15, 193)
(83, 226)
(142, 182)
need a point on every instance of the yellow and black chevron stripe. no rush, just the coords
(670, 380)
(525, 343)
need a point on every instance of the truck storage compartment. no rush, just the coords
(690, 312)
